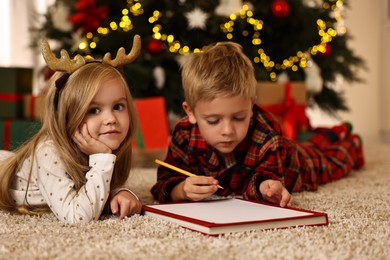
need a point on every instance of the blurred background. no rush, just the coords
(336, 49)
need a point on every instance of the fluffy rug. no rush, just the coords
(358, 208)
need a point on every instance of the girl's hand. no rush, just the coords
(274, 191)
(88, 144)
(194, 188)
(125, 204)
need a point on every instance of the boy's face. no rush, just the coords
(223, 122)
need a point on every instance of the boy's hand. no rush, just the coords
(88, 144)
(274, 191)
(194, 188)
(125, 204)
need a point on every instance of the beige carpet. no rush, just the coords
(358, 208)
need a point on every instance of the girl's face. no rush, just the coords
(223, 122)
(107, 117)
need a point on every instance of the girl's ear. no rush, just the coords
(189, 112)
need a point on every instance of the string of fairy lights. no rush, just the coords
(326, 31)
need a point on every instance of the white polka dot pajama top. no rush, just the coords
(51, 185)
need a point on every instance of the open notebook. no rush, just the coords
(232, 215)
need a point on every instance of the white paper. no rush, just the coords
(229, 211)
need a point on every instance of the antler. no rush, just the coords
(61, 64)
(121, 57)
(66, 64)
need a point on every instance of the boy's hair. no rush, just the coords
(221, 69)
(60, 124)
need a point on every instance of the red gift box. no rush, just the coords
(153, 130)
(288, 103)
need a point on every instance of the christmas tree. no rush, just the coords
(305, 40)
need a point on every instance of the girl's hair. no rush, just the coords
(60, 123)
(221, 69)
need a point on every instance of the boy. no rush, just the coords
(229, 141)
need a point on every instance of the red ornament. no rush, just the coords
(88, 16)
(280, 8)
(154, 47)
(47, 73)
(327, 52)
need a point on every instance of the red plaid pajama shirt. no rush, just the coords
(263, 154)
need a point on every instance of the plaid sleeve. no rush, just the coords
(177, 155)
(279, 160)
(166, 181)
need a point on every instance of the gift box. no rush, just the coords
(11, 105)
(14, 83)
(287, 102)
(13, 133)
(16, 80)
(33, 106)
(153, 130)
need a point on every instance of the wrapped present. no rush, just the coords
(153, 130)
(33, 106)
(13, 133)
(11, 105)
(14, 82)
(288, 103)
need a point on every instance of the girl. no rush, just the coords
(81, 157)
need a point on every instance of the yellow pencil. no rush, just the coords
(178, 169)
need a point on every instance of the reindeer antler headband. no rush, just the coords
(65, 64)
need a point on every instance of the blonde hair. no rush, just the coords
(221, 69)
(59, 125)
